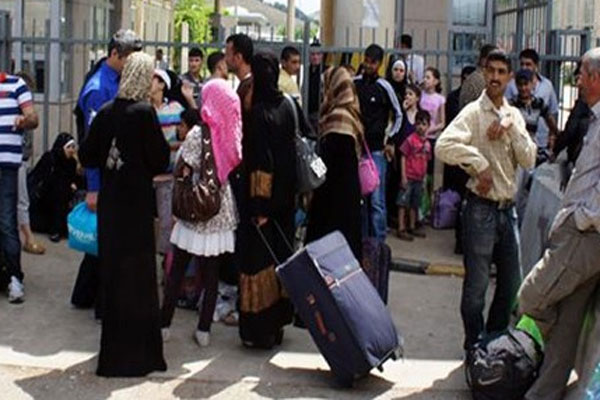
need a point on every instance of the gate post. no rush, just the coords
(306, 69)
(519, 28)
(5, 55)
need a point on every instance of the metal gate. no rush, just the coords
(59, 63)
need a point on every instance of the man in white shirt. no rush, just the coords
(415, 63)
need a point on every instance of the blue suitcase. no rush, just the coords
(342, 310)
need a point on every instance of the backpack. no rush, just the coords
(503, 366)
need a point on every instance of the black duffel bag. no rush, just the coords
(503, 366)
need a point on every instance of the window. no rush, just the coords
(467, 42)
(469, 12)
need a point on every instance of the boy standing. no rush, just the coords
(533, 109)
(415, 153)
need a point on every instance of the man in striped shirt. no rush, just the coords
(16, 115)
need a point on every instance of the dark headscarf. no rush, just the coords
(59, 143)
(265, 74)
(399, 87)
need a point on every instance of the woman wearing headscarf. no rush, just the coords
(336, 203)
(397, 76)
(212, 239)
(52, 184)
(126, 143)
(270, 159)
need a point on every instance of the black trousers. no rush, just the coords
(86, 292)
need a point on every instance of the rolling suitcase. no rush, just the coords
(344, 313)
(376, 262)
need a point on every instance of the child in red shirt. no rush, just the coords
(415, 153)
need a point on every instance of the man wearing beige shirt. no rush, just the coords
(489, 141)
(557, 291)
(290, 67)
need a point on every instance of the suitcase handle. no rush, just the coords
(320, 323)
(268, 246)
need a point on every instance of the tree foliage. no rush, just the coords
(197, 15)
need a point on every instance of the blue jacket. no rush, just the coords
(99, 89)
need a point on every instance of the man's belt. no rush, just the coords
(498, 204)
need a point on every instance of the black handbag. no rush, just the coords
(197, 201)
(310, 168)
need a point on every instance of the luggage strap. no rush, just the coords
(266, 242)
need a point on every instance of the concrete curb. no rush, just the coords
(425, 268)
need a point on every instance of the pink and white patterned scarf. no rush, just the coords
(221, 112)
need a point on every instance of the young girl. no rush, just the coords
(433, 102)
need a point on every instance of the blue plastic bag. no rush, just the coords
(83, 229)
(593, 391)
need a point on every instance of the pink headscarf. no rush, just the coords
(221, 112)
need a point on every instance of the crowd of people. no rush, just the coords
(143, 131)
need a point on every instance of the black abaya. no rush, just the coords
(336, 203)
(131, 343)
(270, 160)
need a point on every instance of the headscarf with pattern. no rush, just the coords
(222, 113)
(340, 111)
(136, 78)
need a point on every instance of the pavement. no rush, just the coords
(48, 350)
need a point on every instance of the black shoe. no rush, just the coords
(55, 237)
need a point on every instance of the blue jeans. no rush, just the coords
(10, 244)
(377, 208)
(490, 235)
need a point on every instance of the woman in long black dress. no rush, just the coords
(127, 145)
(336, 203)
(52, 184)
(270, 160)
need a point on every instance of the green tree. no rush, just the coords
(197, 14)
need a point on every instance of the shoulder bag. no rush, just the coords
(197, 201)
(367, 172)
(310, 168)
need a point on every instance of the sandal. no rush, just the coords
(34, 248)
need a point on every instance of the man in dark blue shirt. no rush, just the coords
(100, 87)
(377, 102)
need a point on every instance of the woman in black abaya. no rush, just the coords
(270, 159)
(127, 145)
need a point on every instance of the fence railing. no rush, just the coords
(59, 65)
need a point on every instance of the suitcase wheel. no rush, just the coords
(397, 354)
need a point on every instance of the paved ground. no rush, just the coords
(48, 350)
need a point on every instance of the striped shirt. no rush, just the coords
(169, 117)
(582, 196)
(14, 96)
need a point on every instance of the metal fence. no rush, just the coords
(59, 64)
(521, 24)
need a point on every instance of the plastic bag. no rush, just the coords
(83, 229)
